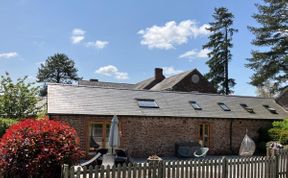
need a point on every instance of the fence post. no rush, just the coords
(160, 169)
(225, 168)
(64, 171)
(277, 165)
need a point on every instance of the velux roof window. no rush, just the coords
(224, 107)
(147, 103)
(195, 105)
(248, 109)
(272, 110)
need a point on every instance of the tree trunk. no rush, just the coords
(226, 86)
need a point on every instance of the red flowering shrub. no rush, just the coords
(38, 148)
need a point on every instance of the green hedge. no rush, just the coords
(5, 124)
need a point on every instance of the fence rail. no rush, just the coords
(252, 167)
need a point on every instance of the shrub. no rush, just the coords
(18, 99)
(5, 124)
(279, 132)
(37, 148)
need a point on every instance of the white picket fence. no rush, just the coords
(252, 167)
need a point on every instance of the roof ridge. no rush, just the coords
(163, 91)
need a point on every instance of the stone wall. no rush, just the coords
(143, 136)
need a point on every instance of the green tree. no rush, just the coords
(58, 69)
(266, 90)
(17, 100)
(279, 132)
(271, 61)
(220, 43)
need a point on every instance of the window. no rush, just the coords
(248, 109)
(272, 110)
(195, 105)
(204, 132)
(98, 135)
(224, 107)
(147, 103)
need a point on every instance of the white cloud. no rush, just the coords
(168, 71)
(77, 36)
(111, 70)
(172, 34)
(203, 53)
(97, 44)
(8, 55)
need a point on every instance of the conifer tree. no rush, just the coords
(271, 61)
(58, 68)
(220, 43)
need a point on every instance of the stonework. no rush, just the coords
(144, 136)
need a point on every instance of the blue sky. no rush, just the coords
(120, 41)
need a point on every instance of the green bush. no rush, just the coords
(5, 124)
(279, 132)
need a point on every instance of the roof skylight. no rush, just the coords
(248, 109)
(272, 110)
(147, 103)
(195, 105)
(224, 107)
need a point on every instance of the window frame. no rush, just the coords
(247, 108)
(104, 140)
(223, 106)
(270, 109)
(203, 134)
(195, 103)
(147, 100)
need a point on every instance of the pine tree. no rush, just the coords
(220, 43)
(271, 61)
(58, 69)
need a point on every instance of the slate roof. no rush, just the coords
(169, 82)
(89, 100)
(144, 83)
(107, 84)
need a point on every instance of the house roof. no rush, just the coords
(106, 84)
(91, 100)
(169, 82)
(143, 84)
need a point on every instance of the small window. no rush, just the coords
(204, 135)
(224, 107)
(195, 105)
(147, 103)
(248, 109)
(272, 110)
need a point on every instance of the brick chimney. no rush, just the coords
(159, 74)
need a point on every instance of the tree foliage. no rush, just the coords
(220, 43)
(279, 132)
(37, 148)
(17, 100)
(5, 124)
(266, 90)
(271, 62)
(58, 68)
